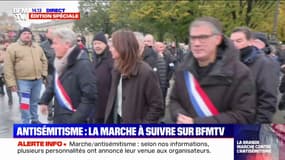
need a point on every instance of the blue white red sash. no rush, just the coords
(62, 97)
(199, 99)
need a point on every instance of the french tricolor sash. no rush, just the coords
(197, 96)
(62, 97)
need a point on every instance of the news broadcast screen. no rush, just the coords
(177, 80)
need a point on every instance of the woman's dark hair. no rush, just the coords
(83, 39)
(125, 42)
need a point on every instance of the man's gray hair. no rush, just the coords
(66, 35)
(213, 23)
(139, 36)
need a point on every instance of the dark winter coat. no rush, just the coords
(103, 65)
(159, 66)
(50, 55)
(79, 82)
(228, 84)
(281, 104)
(266, 75)
(170, 62)
(141, 96)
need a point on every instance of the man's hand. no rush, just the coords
(44, 78)
(14, 88)
(182, 119)
(44, 109)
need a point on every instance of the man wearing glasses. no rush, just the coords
(212, 85)
(81, 42)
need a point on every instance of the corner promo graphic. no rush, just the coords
(25, 14)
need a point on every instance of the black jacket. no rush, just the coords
(103, 66)
(79, 82)
(141, 96)
(228, 84)
(50, 55)
(158, 65)
(266, 76)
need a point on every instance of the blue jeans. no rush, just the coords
(33, 88)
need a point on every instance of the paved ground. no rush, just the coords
(10, 115)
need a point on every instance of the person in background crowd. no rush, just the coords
(25, 68)
(2, 93)
(42, 37)
(149, 55)
(156, 62)
(81, 41)
(281, 104)
(3, 52)
(50, 55)
(103, 65)
(149, 40)
(170, 60)
(176, 52)
(260, 41)
(211, 85)
(264, 73)
(74, 83)
(135, 95)
(281, 57)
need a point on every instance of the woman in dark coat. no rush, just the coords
(73, 86)
(135, 95)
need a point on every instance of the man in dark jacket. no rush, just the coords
(156, 62)
(260, 41)
(176, 53)
(212, 85)
(161, 50)
(74, 83)
(50, 55)
(49, 51)
(103, 65)
(264, 71)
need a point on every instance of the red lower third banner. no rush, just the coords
(55, 16)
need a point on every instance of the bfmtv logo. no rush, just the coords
(21, 14)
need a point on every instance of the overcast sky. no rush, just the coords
(7, 6)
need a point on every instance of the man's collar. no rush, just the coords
(23, 44)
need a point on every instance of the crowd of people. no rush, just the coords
(132, 78)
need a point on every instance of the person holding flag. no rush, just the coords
(212, 85)
(73, 85)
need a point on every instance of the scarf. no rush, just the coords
(60, 64)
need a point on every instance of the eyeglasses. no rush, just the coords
(201, 38)
(79, 40)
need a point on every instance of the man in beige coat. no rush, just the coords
(25, 68)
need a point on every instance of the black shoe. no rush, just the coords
(36, 122)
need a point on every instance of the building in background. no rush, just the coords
(57, 24)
